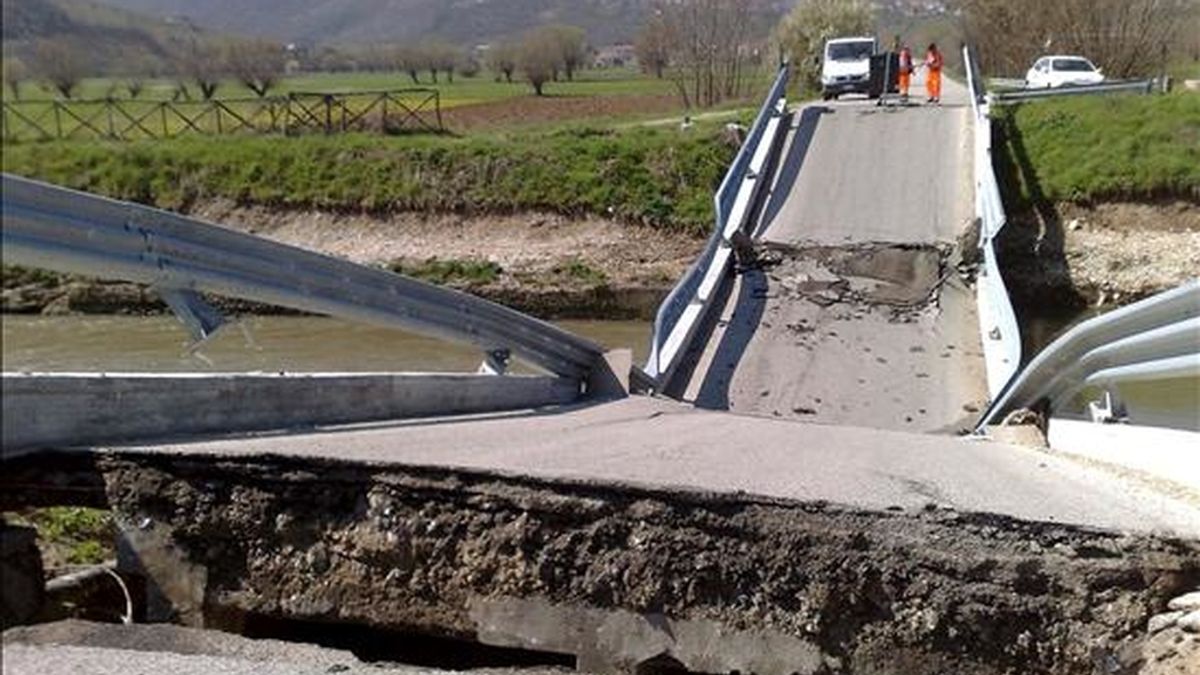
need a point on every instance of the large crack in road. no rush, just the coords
(872, 334)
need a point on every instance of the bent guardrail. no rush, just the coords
(1157, 338)
(999, 332)
(73, 232)
(1125, 87)
(685, 308)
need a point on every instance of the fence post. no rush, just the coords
(328, 114)
(58, 120)
(162, 110)
(437, 105)
(217, 112)
(108, 108)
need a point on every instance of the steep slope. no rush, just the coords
(463, 21)
(114, 38)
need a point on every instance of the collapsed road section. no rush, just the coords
(620, 577)
(873, 335)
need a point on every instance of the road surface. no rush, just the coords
(859, 317)
(664, 444)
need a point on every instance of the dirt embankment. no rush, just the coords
(463, 554)
(548, 265)
(1104, 254)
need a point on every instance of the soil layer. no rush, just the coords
(1071, 255)
(931, 591)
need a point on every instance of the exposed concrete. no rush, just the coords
(870, 335)
(59, 409)
(604, 641)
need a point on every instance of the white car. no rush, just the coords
(846, 66)
(1061, 71)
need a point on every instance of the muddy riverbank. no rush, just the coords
(548, 265)
(1075, 256)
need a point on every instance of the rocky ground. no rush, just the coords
(1102, 254)
(462, 554)
(546, 264)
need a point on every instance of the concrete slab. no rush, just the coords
(884, 193)
(662, 444)
(856, 172)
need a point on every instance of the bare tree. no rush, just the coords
(257, 64)
(15, 73)
(502, 60)
(61, 63)
(410, 59)
(134, 70)
(653, 45)
(441, 57)
(571, 44)
(709, 47)
(803, 32)
(201, 64)
(539, 58)
(1127, 38)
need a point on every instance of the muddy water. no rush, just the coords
(268, 344)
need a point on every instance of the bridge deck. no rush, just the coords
(659, 443)
(863, 320)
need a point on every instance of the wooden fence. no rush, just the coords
(385, 112)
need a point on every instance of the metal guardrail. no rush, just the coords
(1124, 87)
(1157, 338)
(686, 307)
(73, 232)
(999, 332)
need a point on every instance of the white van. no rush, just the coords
(846, 67)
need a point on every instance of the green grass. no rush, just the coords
(1102, 148)
(81, 536)
(657, 176)
(468, 273)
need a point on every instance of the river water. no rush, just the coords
(259, 343)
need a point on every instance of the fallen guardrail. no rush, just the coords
(999, 332)
(1155, 339)
(1125, 87)
(686, 307)
(77, 233)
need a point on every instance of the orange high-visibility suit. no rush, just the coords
(906, 69)
(933, 77)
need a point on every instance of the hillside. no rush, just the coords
(115, 38)
(461, 21)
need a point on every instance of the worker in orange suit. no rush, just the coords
(933, 74)
(906, 71)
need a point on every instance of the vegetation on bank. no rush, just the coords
(646, 175)
(1101, 148)
(71, 535)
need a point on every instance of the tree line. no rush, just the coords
(199, 67)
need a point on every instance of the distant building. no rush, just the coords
(614, 56)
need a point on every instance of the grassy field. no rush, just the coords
(463, 91)
(658, 176)
(1102, 148)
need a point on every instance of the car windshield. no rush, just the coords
(1073, 65)
(851, 51)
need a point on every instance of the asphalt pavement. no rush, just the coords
(873, 180)
(668, 445)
